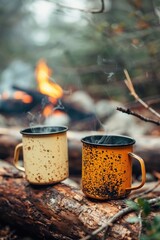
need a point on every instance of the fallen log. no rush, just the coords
(58, 211)
(147, 147)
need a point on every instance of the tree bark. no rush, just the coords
(58, 211)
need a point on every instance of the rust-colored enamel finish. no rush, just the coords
(107, 171)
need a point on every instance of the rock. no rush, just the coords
(82, 100)
(120, 123)
(105, 108)
(57, 119)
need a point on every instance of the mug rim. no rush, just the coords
(40, 130)
(130, 140)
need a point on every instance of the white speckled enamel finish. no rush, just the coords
(45, 157)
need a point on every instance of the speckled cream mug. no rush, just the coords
(107, 166)
(45, 154)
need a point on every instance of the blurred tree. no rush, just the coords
(86, 48)
(13, 41)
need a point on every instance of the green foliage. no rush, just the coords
(145, 206)
(151, 225)
(152, 229)
(133, 205)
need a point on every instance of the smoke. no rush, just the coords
(59, 106)
(109, 140)
(34, 119)
(109, 66)
(44, 130)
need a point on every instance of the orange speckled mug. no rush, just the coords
(45, 154)
(107, 166)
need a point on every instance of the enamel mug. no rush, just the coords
(45, 154)
(107, 166)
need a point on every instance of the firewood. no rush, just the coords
(57, 211)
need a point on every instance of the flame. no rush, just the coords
(20, 95)
(5, 95)
(45, 85)
(48, 110)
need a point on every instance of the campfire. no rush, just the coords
(47, 100)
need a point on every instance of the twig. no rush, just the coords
(154, 200)
(130, 86)
(101, 10)
(157, 175)
(128, 111)
(116, 217)
(140, 223)
(150, 101)
(146, 192)
(109, 223)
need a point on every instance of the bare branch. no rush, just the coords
(140, 223)
(146, 192)
(109, 223)
(154, 200)
(128, 111)
(130, 86)
(157, 175)
(116, 217)
(101, 10)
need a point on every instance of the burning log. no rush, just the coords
(21, 101)
(58, 211)
(74, 113)
(12, 107)
(79, 119)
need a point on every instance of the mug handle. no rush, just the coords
(16, 157)
(143, 171)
